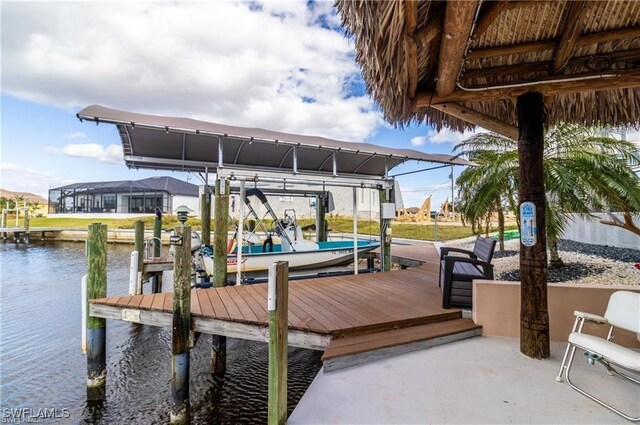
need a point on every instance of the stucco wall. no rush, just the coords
(496, 306)
(581, 229)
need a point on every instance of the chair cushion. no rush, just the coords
(623, 356)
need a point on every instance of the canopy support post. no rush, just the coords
(385, 233)
(355, 230)
(534, 316)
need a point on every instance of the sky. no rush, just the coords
(284, 66)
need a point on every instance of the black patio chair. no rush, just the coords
(458, 272)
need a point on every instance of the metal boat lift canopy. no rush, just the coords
(183, 144)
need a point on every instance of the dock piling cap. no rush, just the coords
(182, 212)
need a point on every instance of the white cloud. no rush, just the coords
(445, 136)
(111, 153)
(18, 178)
(418, 141)
(270, 64)
(78, 135)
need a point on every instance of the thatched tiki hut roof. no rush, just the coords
(511, 67)
(459, 63)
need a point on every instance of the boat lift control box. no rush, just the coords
(388, 211)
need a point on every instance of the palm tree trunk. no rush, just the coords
(487, 225)
(500, 225)
(555, 262)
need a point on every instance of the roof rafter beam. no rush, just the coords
(550, 86)
(573, 26)
(458, 21)
(489, 13)
(411, 21)
(479, 119)
(534, 46)
(527, 68)
(431, 29)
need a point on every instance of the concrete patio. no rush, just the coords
(478, 380)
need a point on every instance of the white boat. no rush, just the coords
(254, 259)
(300, 253)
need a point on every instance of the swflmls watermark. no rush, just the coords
(30, 415)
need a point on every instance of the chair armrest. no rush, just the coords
(487, 268)
(590, 317)
(445, 250)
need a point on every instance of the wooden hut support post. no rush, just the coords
(139, 246)
(96, 328)
(181, 328)
(278, 305)
(534, 316)
(220, 235)
(156, 287)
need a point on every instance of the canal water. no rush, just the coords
(43, 367)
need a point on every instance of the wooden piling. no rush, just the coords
(220, 235)
(321, 224)
(181, 328)
(156, 286)
(205, 216)
(278, 305)
(220, 232)
(139, 246)
(96, 328)
(25, 237)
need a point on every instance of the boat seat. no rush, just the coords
(623, 311)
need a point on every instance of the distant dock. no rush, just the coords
(23, 234)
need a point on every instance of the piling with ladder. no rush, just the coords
(96, 327)
(180, 357)
(139, 247)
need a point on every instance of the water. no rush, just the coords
(43, 367)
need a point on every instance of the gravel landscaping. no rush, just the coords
(584, 263)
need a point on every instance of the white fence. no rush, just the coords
(583, 229)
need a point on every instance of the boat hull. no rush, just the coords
(301, 260)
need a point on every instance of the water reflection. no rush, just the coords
(42, 365)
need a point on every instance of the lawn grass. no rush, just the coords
(336, 225)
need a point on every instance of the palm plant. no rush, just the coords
(584, 172)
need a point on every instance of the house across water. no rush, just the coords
(123, 197)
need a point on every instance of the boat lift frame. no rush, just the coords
(263, 156)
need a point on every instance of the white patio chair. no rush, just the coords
(623, 311)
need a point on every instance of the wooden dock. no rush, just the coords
(348, 316)
(4, 231)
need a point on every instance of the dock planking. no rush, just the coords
(337, 306)
(348, 316)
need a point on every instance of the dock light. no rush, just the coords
(175, 240)
(183, 213)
